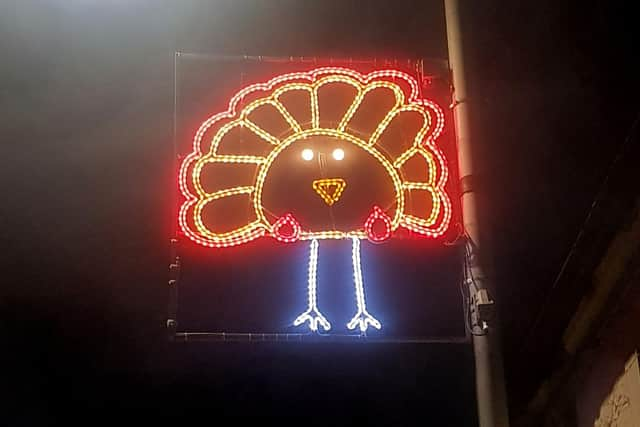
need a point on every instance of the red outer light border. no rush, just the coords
(257, 229)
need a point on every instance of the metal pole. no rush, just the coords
(490, 389)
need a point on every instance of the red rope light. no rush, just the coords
(424, 145)
(378, 217)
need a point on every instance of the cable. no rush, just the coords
(456, 240)
(467, 300)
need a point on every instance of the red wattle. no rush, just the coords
(286, 229)
(378, 225)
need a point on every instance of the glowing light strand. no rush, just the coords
(399, 97)
(286, 220)
(377, 216)
(331, 234)
(312, 314)
(362, 318)
(322, 186)
(424, 144)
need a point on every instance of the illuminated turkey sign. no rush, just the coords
(324, 154)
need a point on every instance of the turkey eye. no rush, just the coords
(307, 154)
(338, 154)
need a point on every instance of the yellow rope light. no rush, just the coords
(322, 186)
(423, 145)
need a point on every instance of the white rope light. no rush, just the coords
(312, 314)
(362, 318)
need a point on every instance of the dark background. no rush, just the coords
(86, 115)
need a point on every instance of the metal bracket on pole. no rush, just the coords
(485, 307)
(482, 310)
(468, 184)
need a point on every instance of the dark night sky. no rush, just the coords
(86, 123)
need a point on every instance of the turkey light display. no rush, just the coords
(324, 154)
